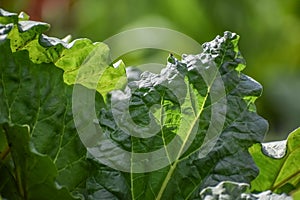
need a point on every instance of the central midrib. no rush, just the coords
(173, 167)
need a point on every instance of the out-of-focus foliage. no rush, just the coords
(269, 30)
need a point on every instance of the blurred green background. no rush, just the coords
(269, 31)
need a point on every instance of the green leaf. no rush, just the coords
(25, 34)
(27, 174)
(231, 190)
(180, 104)
(35, 95)
(278, 163)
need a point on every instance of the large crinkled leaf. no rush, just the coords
(25, 174)
(279, 165)
(230, 190)
(35, 94)
(185, 99)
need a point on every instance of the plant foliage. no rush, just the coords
(279, 165)
(42, 156)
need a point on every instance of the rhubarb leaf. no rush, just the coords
(171, 113)
(34, 94)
